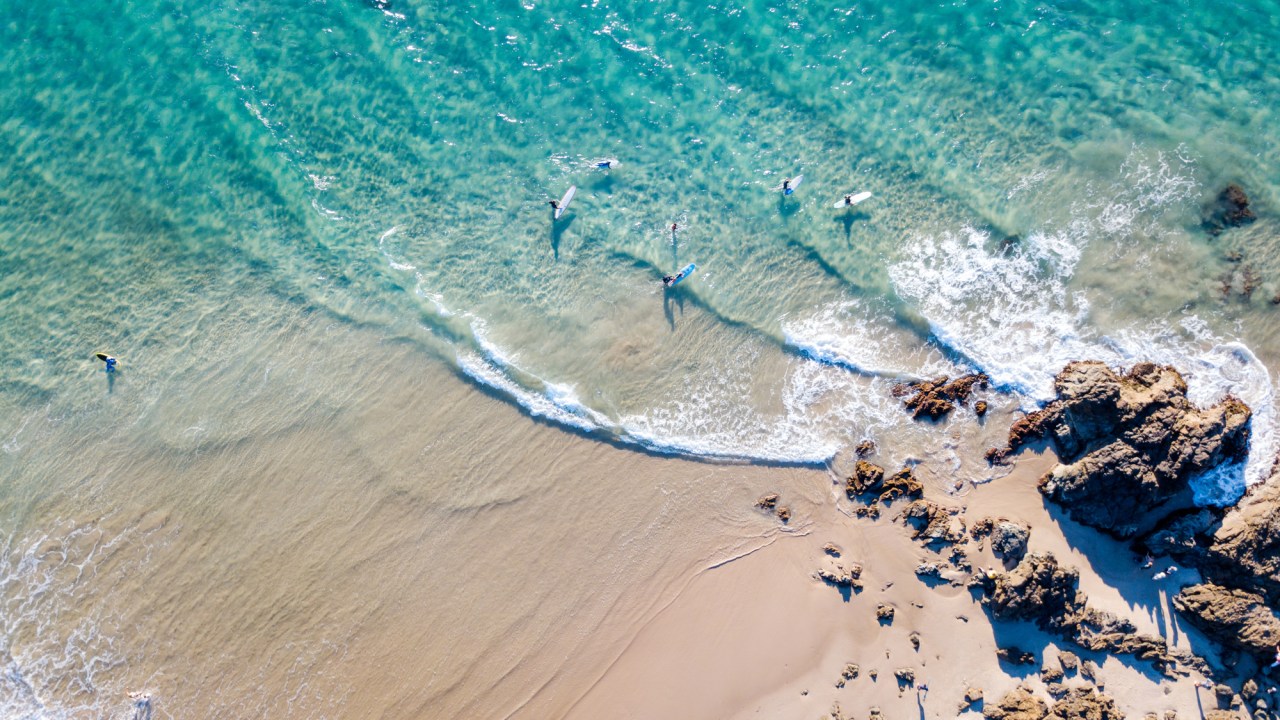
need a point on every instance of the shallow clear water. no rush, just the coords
(185, 183)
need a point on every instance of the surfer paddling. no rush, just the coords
(110, 361)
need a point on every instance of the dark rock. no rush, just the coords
(1129, 444)
(928, 570)
(1182, 535)
(905, 676)
(1019, 704)
(1009, 540)
(1245, 549)
(1230, 209)
(1089, 671)
(1037, 589)
(1056, 690)
(915, 640)
(1237, 619)
(1085, 703)
(866, 448)
(936, 398)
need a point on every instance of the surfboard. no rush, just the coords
(853, 199)
(606, 163)
(564, 201)
(101, 356)
(685, 272)
(795, 183)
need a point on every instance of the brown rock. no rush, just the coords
(1229, 209)
(1009, 540)
(980, 408)
(1020, 704)
(784, 514)
(841, 573)
(866, 448)
(1245, 550)
(915, 640)
(1051, 674)
(901, 484)
(884, 613)
(865, 480)
(1069, 661)
(1237, 619)
(1085, 703)
(930, 522)
(1037, 589)
(767, 502)
(937, 398)
(1015, 656)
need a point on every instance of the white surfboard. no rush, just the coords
(564, 201)
(795, 183)
(851, 200)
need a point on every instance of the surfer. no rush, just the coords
(786, 186)
(1277, 662)
(668, 279)
(848, 199)
(555, 204)
(110, 361)
(673, 228)
(605, 164)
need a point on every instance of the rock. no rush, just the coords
(905, 676)
(1037, 589)
(1069, 661)
(1249, 689)
(929, 570)
(865, 480)
(915, 640)
(901, 484)
(935, 399)
(1221, 715)
(1019, 704)
(841, 573)
(1085, 703)
(866, 448)
(1182, 535)
(1056, 690)
(884, 613)
(1051, 674)
(930, 522)
(980, 408)
(1009, 540)
(1015, 656)
(784, 514)
(1129, 444)
(850, 671)
(982, 528)
(831, 549)
(1245, 549)
(768, 502)
(1229, 209)
(1235, 618)
(972, 695)
(1089, 671)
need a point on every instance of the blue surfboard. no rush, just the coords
(685, 272)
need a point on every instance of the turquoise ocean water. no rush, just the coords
(182, 183)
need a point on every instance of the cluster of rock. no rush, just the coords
(1128, 444)
(1077, 703)
(937, 398)
(1039, 590)
(1229, 209)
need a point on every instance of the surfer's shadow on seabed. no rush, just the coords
(672, 300)
(787, 205)
(848, 220)
(557, 231)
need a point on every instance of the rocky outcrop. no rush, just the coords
(1085, 703)
(1009, 540)
(1237, 619)
(869, 480)
(1040, 591)
(1245, 549)
(1229, 209)
(1037, 590)
(1019, 704)
(931, 523)
(936, 398)
(841, 573)
(1128, 444)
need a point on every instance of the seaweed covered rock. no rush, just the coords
(1235, 618)
(1229, 209)
(1129, 444)
(1018, 704)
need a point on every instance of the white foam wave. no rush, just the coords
(845, 335)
